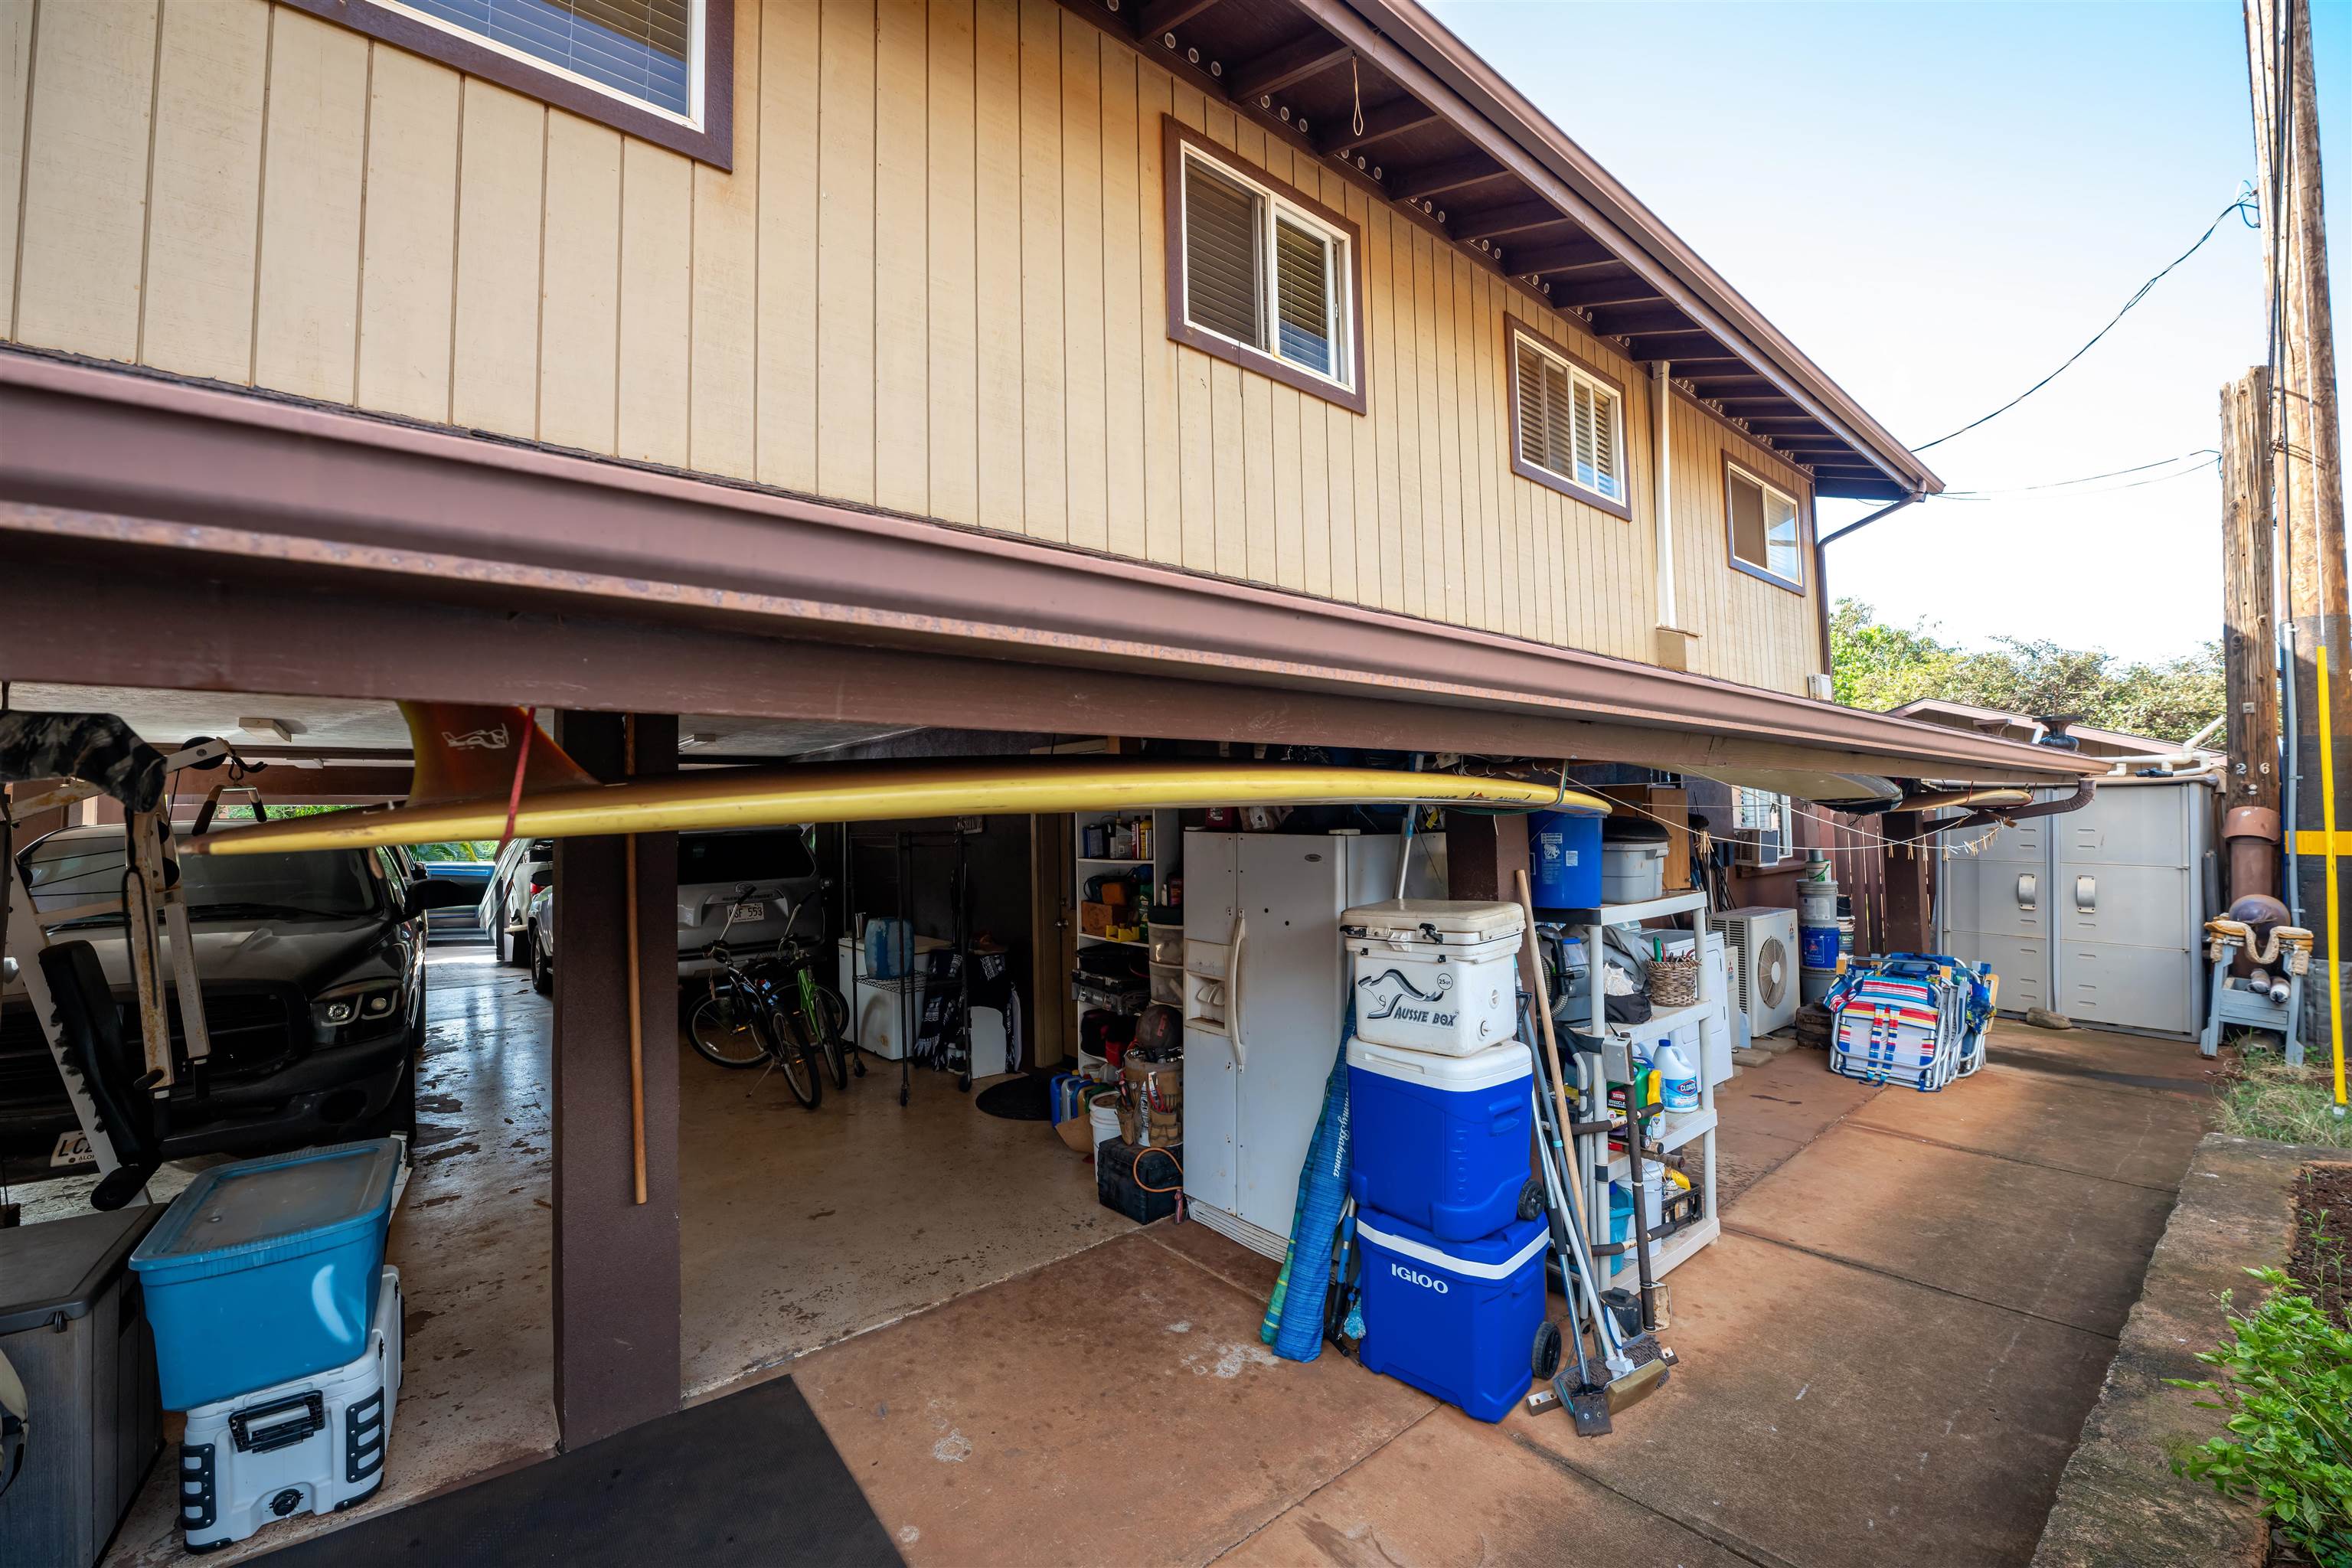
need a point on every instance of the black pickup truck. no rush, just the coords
(312, 971)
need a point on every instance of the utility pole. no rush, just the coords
(2306, 473)
(2250, 635)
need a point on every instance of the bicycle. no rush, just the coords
(748, 1018)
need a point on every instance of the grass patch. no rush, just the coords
(2267, 1098)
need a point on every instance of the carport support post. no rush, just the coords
(616, 1262)
(1481, 853)
(1910, 926)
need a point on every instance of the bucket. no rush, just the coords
(1103, 1115)
(1817, 920)
(1564, 860)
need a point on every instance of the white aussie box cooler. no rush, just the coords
(1435, 974)
(310, 1444)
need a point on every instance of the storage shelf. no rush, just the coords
(1629, 914)
(1662, 1021)
(1114, 940)
(1673, 1132)
(1109, 860)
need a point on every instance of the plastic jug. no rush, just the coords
(1677, 1080)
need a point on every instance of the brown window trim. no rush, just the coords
(1175, 136)
(712, 144)
(1514, 329)
(1804, 527)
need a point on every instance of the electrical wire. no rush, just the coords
(2213, 461)
(2245, 201)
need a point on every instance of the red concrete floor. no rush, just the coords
(1886, 1359)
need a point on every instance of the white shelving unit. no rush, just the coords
(1166, 861)
(1667, 1132)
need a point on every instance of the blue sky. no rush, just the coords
(1938, 203)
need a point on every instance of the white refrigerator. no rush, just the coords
(1265, 993)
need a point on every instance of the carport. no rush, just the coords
(170, 538)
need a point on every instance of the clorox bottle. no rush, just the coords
(1677, 1083)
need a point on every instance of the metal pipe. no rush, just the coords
(1662, 420)
(1821, 568)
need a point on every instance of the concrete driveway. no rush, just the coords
(1887, 1358)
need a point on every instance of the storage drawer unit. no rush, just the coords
(72, 1325)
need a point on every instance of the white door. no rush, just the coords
(1285, 1011)
(2127, 898)
(1997, 907)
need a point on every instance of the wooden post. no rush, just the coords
(2249, 589)
(2307, 473)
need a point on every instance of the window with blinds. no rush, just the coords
(640, 49)
(1763, 526)
(1570, 424)
(1262, 273)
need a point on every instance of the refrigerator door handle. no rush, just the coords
(1234, 993)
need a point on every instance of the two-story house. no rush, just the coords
(1262, 371)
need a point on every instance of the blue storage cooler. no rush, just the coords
(1441, 1143)
(266, 1269)
(1457, 1318)
(1564, 860)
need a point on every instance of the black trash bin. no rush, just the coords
(72, 1325)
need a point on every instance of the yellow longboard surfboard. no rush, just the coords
(468, 760)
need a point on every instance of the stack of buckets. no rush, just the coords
(1818, 939)
(1439, 1087)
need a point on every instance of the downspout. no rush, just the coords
(1821, 567)
(1662, 423)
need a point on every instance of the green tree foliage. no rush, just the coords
(1879, 667)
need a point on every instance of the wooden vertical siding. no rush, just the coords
(933, 283)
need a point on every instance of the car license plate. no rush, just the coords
(73, 1148)
(755, 909)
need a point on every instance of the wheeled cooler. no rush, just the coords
(309, 1444)
(1441, 1141)
(1454, 1319)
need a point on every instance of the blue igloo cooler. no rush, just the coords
(1441, 1141)
(1455, 1319)
(266, 1269)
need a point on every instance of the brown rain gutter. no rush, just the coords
(1425, 57)
(102, 465)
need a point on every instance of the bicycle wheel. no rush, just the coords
(795, 1062)
(830, 1030)
(725, 1028)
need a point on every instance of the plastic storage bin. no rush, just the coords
(1453, 1318)
(311, 1444)
(69, 1325)
(1633, 861)
(1440, 1141)
(266, 1269)
(1435, 974)
(1564, 860)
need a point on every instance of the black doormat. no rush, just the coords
(1028, 1098)
(751, 1480)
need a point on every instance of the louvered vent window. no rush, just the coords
(1568, 422)
(1763, 524)
(1262, 273)
(638, 49)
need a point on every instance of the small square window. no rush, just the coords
(1260, 275)
(1765, 526)
(1569, 425)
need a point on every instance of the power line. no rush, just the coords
(2210, 455)
(2245, 202)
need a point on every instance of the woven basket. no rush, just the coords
(1673, 980)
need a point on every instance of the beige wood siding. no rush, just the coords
(934, 282)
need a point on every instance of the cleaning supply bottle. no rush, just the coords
(1677, 1082)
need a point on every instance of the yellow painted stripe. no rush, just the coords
(2315, 841)
(851, 791)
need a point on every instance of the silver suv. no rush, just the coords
(754, 877)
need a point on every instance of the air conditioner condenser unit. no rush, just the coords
(1762, 942)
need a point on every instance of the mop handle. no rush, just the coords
(1531, 960)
